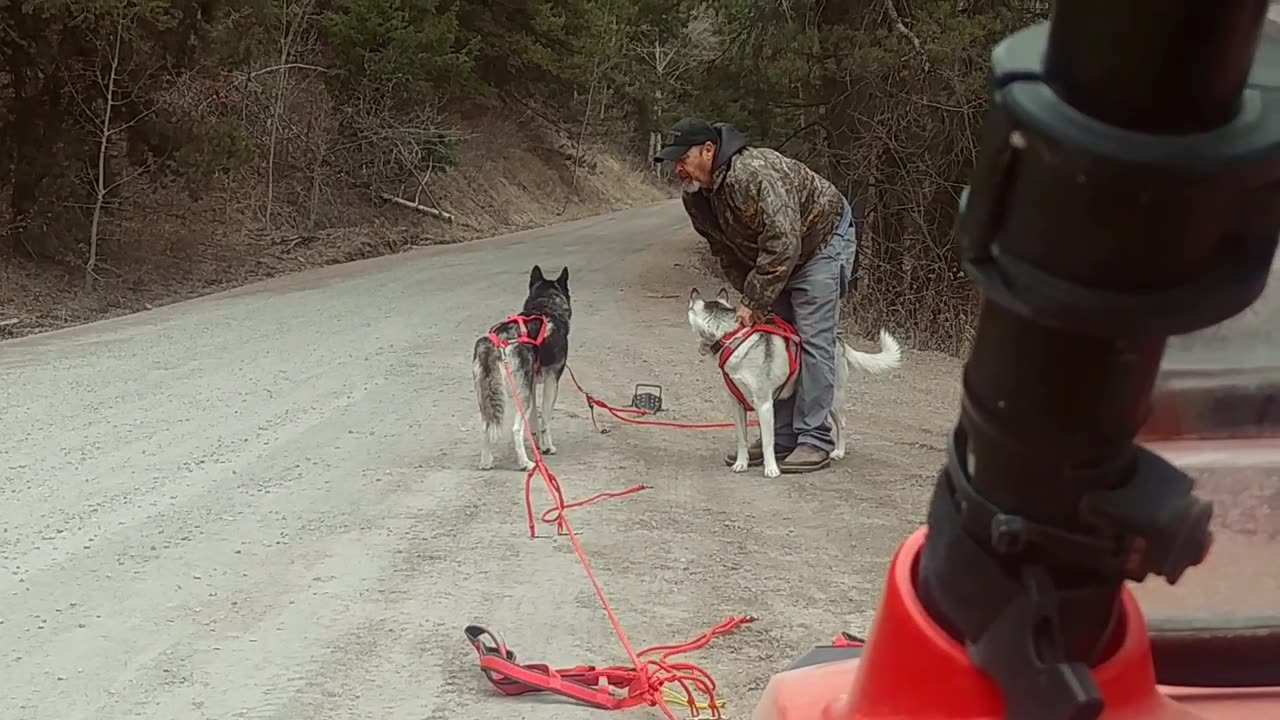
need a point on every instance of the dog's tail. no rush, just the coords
(889, 357)
(486, 371)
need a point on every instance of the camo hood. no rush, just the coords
(764, 215)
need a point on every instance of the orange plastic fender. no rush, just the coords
(910, 669)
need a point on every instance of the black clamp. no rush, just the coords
(1023, 651)
(1006, 612)
(1163, 528)
(1218, 190)
(1154, 524)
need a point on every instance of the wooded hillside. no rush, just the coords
(271, 123)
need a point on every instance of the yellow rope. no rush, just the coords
(676, 698)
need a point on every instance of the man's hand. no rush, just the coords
(746, 317)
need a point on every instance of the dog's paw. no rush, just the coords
(547, 448)
(836, 454)
(740, 466)
(527, 465)
(772, 471)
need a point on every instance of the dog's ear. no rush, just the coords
(723, 295)
(694, 295)
(563, 279)
(535, 276)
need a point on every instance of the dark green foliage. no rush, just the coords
(409, 47)
(882, 96)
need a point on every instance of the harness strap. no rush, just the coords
(524, 338)
(581, 683)
(730, 343)
(847, 639)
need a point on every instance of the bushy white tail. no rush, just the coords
(486, 372)
(889, 357)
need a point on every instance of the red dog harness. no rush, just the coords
(774, 326)
(607, 688)
(621, 688)
(525, 338)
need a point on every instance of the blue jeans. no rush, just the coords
(811, 302)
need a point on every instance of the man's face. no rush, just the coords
(694, 168)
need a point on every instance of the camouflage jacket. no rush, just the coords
(764, 215)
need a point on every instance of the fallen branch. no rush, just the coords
(439, 214)
(281, 66)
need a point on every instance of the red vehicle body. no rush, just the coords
(1210, 651)
(1207, 648)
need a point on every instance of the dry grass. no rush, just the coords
(514, 173)
(519, 173)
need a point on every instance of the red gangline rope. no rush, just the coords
(620, 413)
(652, 674)
(553, 515)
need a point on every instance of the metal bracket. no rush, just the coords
(647, 401)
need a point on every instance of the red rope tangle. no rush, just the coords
(622, 413)
(645, 680)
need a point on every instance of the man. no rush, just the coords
(784, 237)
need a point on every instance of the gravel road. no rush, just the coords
(264, 503)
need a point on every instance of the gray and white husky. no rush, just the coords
(760, 368)
(546, 315)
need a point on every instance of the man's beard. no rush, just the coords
(690, 185)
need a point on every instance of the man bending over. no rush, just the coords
(784, 238)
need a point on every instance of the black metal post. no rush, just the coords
(1163, 67)
(1124, 192)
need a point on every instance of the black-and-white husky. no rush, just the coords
(761, 370)
(543, 323)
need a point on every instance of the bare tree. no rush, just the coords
(269, 110)
(669, 60)
(385, 147)
(582, 131)
(104, 123)
(321, 129)
(293, 20)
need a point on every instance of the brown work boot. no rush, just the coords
(755, 454)
(805, 458)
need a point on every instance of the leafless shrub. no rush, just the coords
(105, 116)
(903, 150)
(385, 149)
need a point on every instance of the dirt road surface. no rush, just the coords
(264, 504)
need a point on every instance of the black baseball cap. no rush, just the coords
(685, 134)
